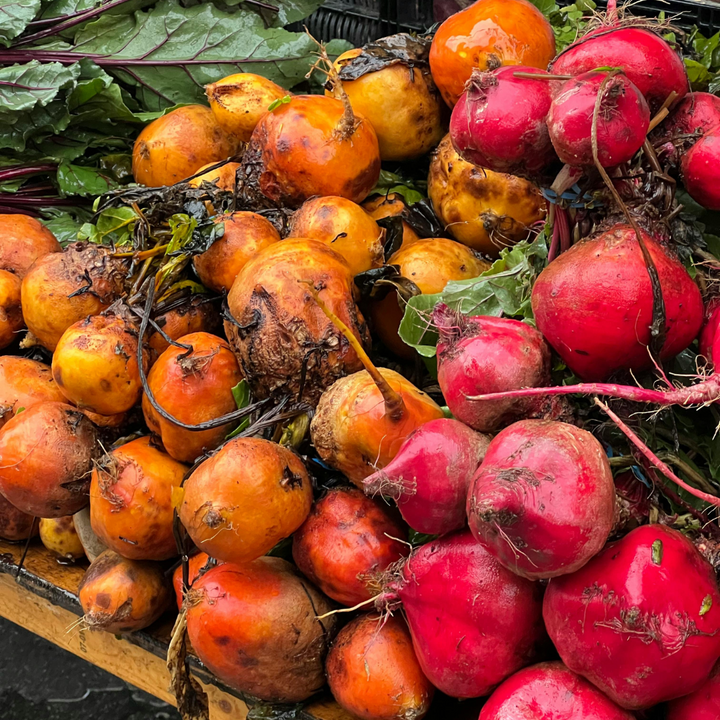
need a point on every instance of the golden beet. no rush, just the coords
(482, 209)
(195, 314)
(280, 333)
(246, 234)
(486, 35)
(177, 145)
(430, 263)
(401, 103)
(63, 288)
(239, 101)
(343, 225)
(119, 595)
(131, 507)
(242, 501)
(59, 536)
(223, 176)
(373, 672)
(193, 387)
(95, 364)
(24, 383)
(23, 240)
(15, 525)
(11, 319)
(311, 146)
(390, 205)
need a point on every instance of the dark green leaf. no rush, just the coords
(417, 539)
(83, 181)
(289, 11)
(64, 226)
(14, 17)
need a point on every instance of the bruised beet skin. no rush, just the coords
(622, 120)
(641, 620)
(593, 304)
(430, 476)
(649, 62)
(499, 122)
(487, 354)
(703, 704)
(549, 691)
(699, 168)
(543, 501)
(345, 540)
(473, 622)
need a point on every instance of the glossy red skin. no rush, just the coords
(633, 627)
(594, 303)
(543, 501)
(697, 112)
(709, 335)
(699, 169)
(648, 61)
(703, 704)
(484, 354)
(549, 691)
(430, 477)
(499, 122)
(473, 623)
(346, 538)
(621, 131)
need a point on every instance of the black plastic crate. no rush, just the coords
(684, 13)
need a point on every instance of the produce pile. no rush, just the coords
(402, 411)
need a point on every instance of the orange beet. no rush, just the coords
(223, 176)
(177, 145)
(256, 628)
(23, 240)
(193, 315)
(131, 507)
(24, 383)
(373, 672)
(11, 319)
(119, 595)
(197, 566)
(390, 205)
(15, 525)
(46, 454)
(313, 146)
(192, 387)
(486, 35)
(346, 538)
(246, 234)
(242, 501)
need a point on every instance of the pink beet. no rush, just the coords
(430, 476)
(622, 120)
(499, 122)
(484, 354)
(699, 168)
(649, 62)
(543, 501)
(549, 691)
(594, 304)
(473, 623)
(703, 704)
(641, 620)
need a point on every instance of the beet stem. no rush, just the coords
(654, 459)
(538, 76)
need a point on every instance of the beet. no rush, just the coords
(697, 113)
(699, 170)
(549, 691)
(622, 120)
(473, 623)
(487, 354)
(709, 333)
(430, 476)
(649, 62)
(594, 304)
(641, 620)
(703, 704)
(499, 122)
(543, 501)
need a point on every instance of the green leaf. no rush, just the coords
(706, 605)
(113, 225)
(657, 552)
(241, 395)
(417, 539)
(275, 104)
(389, 182)
(68, 7)
(83, 181)
(64, 226)
(14, 17)
(181, 227)
(289, 11)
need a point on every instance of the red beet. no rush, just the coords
(484, 354)
(346, 538)
(622, 121)
(473, 623)
(594, 304)
(499, 122)
(697, 113)
(703, 704)
(543, 501)
(649, 62)
(709, 333)
(430, 476)
(549, 691)
(641, 620)
(699, 169)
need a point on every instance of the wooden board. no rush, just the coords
(43, 600)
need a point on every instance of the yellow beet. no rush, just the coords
(59, 536)
(11, 319)
(224, 176)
